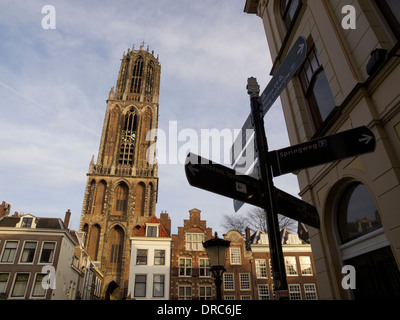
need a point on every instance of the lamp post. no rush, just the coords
(216, 250)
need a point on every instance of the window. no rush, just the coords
(229, 281)
(229, 297)
(235, 255)
(184, 293)
(9, 251)
(47, 254)
(38, 290)
(140, 285)
(20, 284)
(316, 88)
(185, 267)
(151, 231)
(291, 267)
(244, 281)
(204, 266)
(205, 292)
(357, 213)
(246, 297)
(3, 281)
(305, 266)
(159, 257)
(391, 11)
(158, 285)
(261, 268)
(28, 253)
(136, 82)
(194, 241)
(294, 292)
(288, 10)
(26, 222)
(121, 199)
(128, 139)
(263, 292)
(141, 257)
(310, 290)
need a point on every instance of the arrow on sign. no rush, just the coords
(366, 139)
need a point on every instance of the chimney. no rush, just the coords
(165, 222)
(4, 209)
(67, 218)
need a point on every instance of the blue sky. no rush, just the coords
(54, 83)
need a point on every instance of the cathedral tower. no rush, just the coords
(122, 186)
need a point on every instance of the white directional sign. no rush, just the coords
(287, 69)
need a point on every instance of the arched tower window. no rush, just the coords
(93, 245)
(150, 79)
(140, 199)
(128, 139)
(91, 196)
(137, 76)
(115, 247)
(100, 197)
(124, 74)
(120, 206)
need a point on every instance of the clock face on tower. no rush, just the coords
(128, 136)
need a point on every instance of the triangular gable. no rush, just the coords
(162, 233)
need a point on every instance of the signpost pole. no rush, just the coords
(277, 260)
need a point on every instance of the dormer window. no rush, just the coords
(26, 222)
(152, 230)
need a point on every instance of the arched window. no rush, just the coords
(120, 206)
(100, 197)
(151, 197)
(93, 245)
(124, 74)
(91, 196)
(115, 247)
(357, 213)
(149, 79)
(140, 199)
(128, 139)
(137, 76)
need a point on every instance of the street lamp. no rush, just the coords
(216, 250)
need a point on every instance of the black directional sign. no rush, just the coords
(287, 69)
(339, 146)
(204, 174)
(296, 209)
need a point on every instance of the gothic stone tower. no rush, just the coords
(121, 190)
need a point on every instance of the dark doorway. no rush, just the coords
(377, 275)
(110, 289)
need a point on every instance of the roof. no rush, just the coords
(41, 223)
(142, 231)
